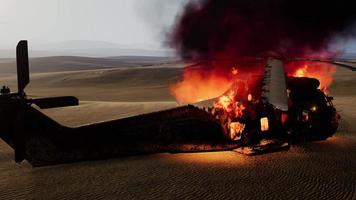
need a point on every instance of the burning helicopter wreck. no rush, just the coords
(289, 109)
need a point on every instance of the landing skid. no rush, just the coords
(265, 146)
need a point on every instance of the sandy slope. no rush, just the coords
(120, 84)
(70, 63)
(95, 111)
(321, 170)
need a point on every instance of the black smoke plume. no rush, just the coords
(212, 29)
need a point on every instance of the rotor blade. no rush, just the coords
(55, 102)
(23, 77)
(350, 66)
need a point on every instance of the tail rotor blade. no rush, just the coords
(23, 77)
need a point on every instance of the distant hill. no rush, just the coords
(85, 48)
(348, 56)
(73, 63)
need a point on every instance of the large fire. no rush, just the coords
(236, 94)
(229, 109)
(198, 85)
(322, 71)
(234, 30)
(235, 106)
(204, 82)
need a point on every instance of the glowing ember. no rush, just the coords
(236, 130)
(230, 109)
(249, 97)
(284, 118)
(300, 72)
(264, 124)
(224, 102)
(234, 71)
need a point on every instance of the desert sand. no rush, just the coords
(319, 170)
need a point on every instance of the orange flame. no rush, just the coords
(229, 109)
(197, 85)
(236, 129)
(224, 102)
(264, 124)
(206, 82)
(230, 106)
(322, 71)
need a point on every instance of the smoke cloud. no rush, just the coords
(214, 29)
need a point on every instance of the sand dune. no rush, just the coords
(320, 170)
(89, 112)
(314, 171)
(118, 84)
(72, 63)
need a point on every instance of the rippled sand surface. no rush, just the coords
(313, 171)
(319, 170)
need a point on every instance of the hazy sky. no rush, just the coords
(136, 23)
(131, 22)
